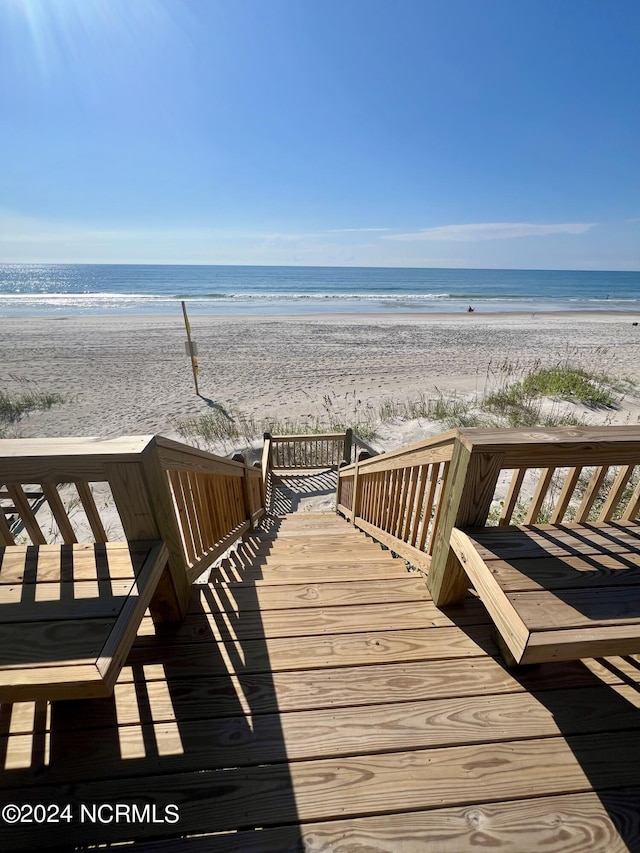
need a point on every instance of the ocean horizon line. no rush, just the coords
(28, 290)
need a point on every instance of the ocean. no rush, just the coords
(74, 289)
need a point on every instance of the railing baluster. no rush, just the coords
(409, 503)
(192, 509)
(591, 493)
(5, 533)
(205, 518)
(429, 505)
(436, 518)
(21, 503)
(539, 495)
(616, 493)
(423, 473)
(397, 473)
(395, 503)
(633, 507)
(50, 491)
(568, 488)
(511, 499)
(181, 506)
(398, 524)
(91, 511)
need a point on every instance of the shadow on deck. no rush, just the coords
(290, 492)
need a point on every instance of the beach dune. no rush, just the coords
(130, 374)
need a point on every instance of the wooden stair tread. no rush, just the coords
(322, 593)
(281, 654)
(209, 623)
(361, 785)
(339, 732)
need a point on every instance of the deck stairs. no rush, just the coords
(372, 717)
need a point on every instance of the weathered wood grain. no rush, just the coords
(244, 596)
(357, 786)
(331, 650)
(571, 823)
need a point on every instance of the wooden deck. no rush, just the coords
(316, 699)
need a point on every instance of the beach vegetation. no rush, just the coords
(214, 428)
(449, 409)
(515, 394)
(520, 396)
(14, 406)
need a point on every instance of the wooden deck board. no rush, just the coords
(312, 621)
(375, 784)
(299, 572)
(170, 698)
(337, 708)
(572, 822)
(318, 652)
(260, 596)
(340, 732)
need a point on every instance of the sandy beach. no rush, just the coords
(130, 374)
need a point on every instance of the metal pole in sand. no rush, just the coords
(192, 349)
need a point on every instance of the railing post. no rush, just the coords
(348, 444)
(343, 464)
(357, 485)
(238, 457)
(145, 507)
(470, 488)
(266, 466)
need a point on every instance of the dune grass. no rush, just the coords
(234, 425)
(514, 395)
(14, 406)
(523, 401)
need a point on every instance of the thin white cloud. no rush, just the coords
(492, 231)
(351, 230)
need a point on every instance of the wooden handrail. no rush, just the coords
(410, 453)
(395, 497)
(316, 436)
(363, 445)
(411, 498)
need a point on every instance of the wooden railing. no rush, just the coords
(570, 475)
(396, 497)
(358, 444)
(136, 488)
(309, 452)
(410, 499)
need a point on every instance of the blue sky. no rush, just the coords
(436, 133)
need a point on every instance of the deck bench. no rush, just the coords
(557, 592)
(69, 615)
(564, 583)
(69, 612)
